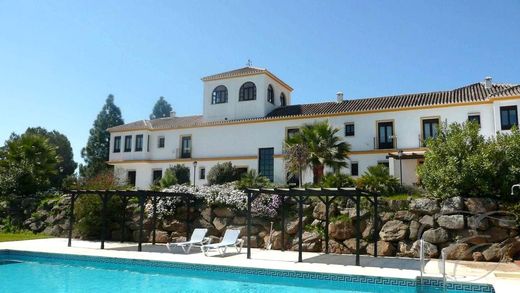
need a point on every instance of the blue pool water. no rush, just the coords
(39, 272)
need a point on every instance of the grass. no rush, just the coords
(17, 236)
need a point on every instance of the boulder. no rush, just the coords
(239, 221)
(508, 222)
(477, 205)
(160, 236)
(504, 251)
(427, 221)
(424, 206)
(341, 230)
(478, 222)
(291, 227)
(223, 212)
(337, 247)
(394, 230)
(405, 216)
(319, 211)
(37, 226)
(414, 230)
(351, 212)
(452, 222)
(384, 248)
(202, 223)
(396, 204)
(351, 245)
(206, 214)
(430, 249)
(256, 241)
(221, 223)
(452, 204)
(276, 240)
(386, 216)
(404, 248)
(173, 225)
(311, 241)
(458, 251)
(435, 235)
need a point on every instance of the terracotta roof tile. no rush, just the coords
(471, 93)
(248, 70)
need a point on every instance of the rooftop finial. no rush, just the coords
(249, 63)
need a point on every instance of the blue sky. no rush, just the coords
(60, 59)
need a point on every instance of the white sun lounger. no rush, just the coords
(197, 239)
(230, 239)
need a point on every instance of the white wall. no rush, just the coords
(230, 142)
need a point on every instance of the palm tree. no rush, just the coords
(321, 146)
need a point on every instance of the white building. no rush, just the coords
(248, 113)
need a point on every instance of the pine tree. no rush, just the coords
(161, 109)
(96, 152)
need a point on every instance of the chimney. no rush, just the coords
(488, 82)
(339, 97)
(172, 114)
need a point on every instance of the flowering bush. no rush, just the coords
(218, 195)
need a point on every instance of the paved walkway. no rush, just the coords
(504, 276)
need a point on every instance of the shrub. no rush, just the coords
(336, 180)
(253, 180)
(182, 173)
(168, 179)
(222, 173)
(378, 179)
(461, 162)
(89, 218)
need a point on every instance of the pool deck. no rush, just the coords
(505, 277)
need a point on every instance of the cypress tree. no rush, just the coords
(161, 109)
(96, 152)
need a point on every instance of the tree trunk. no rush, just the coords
(317, 172)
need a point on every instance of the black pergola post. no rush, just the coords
(141, 221)
(124, 203)
(71, 217)
(188, 215)
(154, 218)
(283, 222)
(104, 198)
(376, 217)
(327, 203)
(300, 227)
(249, 198)
(358, 226)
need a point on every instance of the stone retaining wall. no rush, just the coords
(470, 228)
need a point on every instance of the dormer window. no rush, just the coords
(270, 94)
(283, 101)
(219, 95)
(247, 92)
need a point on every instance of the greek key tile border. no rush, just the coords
(427, 282)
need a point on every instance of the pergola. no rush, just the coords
(300, 195)
(326, 196)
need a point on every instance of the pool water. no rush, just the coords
(34, 272)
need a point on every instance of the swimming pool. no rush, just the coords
(46, 272)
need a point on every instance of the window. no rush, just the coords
(219, 95)
(270, 94)
(202, 173)
(117, 144)
(139, 143)
(247, 92)
(186, 147)
(128, 143)
(354, 169)
(148, 143)
(241, 171)
(156, 176)
(266, 162)
(508, 117)
(385, 134)
(283, 101)
(160, 142)
(131, 175)
(291, 132)
(384, 163)
(349, 129)
(474, 118)
(430, 128)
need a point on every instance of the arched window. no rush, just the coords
(219, 95)
(270, 94)
(283, 101)
(247, 92)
